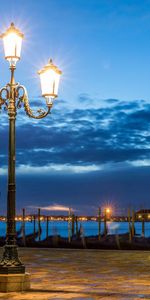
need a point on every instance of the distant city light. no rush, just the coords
(108, 210)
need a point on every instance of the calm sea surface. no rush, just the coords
(89, 228)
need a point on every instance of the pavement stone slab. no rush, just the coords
(85, 274)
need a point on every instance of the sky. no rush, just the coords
(93, 149)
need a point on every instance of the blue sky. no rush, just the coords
(101, 46)
(94, 147)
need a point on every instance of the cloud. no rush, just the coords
(140, 163)
(84, 192)
(111, 101)
(54, 207)
(81, 140)
(51, 168)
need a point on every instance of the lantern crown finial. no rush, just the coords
(50, 61)
(12, 29)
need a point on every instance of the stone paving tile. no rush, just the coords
(85, 274)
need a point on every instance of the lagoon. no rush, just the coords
(89, 228)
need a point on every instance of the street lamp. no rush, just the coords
(13, 96)
(107, 210)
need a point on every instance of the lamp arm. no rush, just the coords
(39, 114)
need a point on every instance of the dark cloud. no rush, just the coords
(114, 134)
(111, 101)
(85, 98)
(84, 192)
(84, 136)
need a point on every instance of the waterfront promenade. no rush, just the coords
(85, 274)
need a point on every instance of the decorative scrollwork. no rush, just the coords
(19, 94)
(4, 96)
(22, 95)
(21, 99)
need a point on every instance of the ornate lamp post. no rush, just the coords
(13, 96)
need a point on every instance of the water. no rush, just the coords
(89, 228)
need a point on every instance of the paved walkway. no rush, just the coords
(85, 274)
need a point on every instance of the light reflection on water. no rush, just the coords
(89, 228)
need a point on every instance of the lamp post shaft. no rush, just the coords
(10, 263)
(11, 197)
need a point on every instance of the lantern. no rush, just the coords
(12, 40)
(49, 77)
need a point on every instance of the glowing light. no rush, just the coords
(109, 207)
(49, 77)
(12, 40)
(108, 210)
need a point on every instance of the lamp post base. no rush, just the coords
(14, 282)
(10, 263)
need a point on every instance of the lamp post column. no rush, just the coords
(10, 263)
(11, 197)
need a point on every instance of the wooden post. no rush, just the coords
(133, 223)
(129, 223)
(72, 227)
(47, 223)
(99, 223)
(34, 224)
(105, 223)
(39, 224)
(69, 229)
(77, 229)
(23, 227)
(143, 226)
